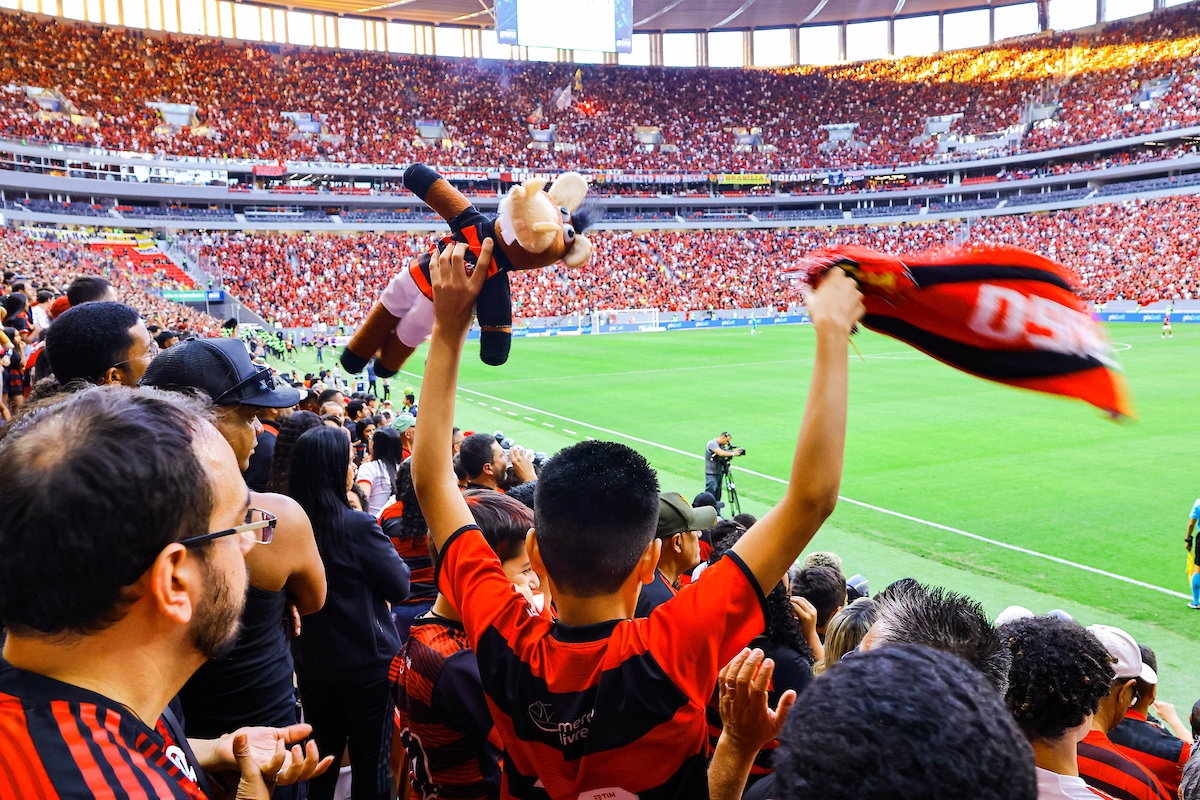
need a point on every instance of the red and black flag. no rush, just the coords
(994, 311)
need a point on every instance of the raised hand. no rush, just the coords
(454, 291)
(836, 304)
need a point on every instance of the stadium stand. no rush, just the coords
(963, 205)
(804, 214)
(1036, 198)
(886, 211)
(1120, 252)
(240, 92)
(75, 209)
(177, 213)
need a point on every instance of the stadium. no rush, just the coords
(269, 172)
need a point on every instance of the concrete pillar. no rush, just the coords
(891, 23)
(841, 41)
(795, 37)
(991, 26)
(1043, 7)
(941, 31)
(656, 49)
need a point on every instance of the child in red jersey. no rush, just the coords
(598, 704)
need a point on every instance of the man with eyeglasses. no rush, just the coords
(101, 343)
(114, 592)
(252, 685)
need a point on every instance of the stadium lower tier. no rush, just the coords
(55, 263)
(1143, 251)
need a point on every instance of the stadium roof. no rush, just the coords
(666, 15)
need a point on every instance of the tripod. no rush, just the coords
(730, 488)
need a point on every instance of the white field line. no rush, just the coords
(912, 355)
(842, 498)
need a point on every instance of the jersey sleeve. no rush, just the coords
(702, 628)
(1195, 510)
(468, 573)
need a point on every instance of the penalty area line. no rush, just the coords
(928, 523)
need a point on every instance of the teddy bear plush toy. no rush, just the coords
(534, 228)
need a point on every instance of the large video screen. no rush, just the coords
(603, 25)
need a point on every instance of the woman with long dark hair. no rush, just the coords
(289, 432)
(404, 524)
(345, 649)
(377, 477)
(782, 641)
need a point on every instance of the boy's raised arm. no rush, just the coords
(771, 545)
(454, 294)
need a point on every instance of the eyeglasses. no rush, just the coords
(150, 353)
(263, 376)
(258, 528)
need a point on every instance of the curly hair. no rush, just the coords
(782, 624)
(285, 440)
(864, 730)
(1059, 674)
(412, 522)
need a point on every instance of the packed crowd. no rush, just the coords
(273, 574)
(1120, 252)
(42, 279)
(370, 102)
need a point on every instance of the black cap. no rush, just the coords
(707, 499)
(222, 369)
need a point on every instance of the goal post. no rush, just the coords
(642, 317)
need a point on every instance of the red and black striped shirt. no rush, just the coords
(61, 741)
(1102, 766)
(443, 717)
(1161, 752)
(611, 710)
(415, 554)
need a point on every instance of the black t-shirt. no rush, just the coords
(653, 595)
(259, 470)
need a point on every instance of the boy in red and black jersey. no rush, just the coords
(598, 703)
(444, 720)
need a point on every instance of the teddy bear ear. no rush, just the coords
(569, 190)
(579, 254)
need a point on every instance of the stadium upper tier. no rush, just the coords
(1144, 251)
(256, 101)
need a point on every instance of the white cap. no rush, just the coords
(1124, 650)
(1012, 614)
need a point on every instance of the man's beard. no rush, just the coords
(214, 631)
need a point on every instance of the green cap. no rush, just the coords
(676, 515)
(403, 422)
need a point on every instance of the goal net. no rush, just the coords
(645, 318)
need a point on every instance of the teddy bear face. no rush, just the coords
(537, 227)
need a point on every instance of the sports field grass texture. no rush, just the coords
(959, 457)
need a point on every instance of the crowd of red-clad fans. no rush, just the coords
(216, 579)
(1144, 251)
(371, 102)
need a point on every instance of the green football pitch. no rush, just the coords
(1006, 495)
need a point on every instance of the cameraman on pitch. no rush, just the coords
(715, 457)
